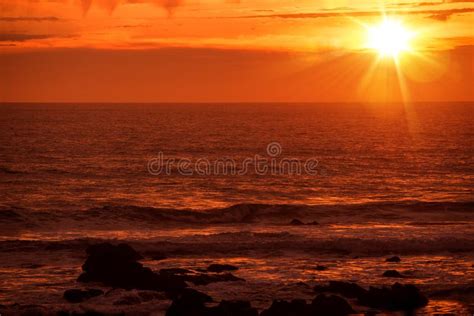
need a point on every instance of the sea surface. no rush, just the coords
(385, 179)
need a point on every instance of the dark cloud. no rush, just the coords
(169, 5)
(110, 5)
(86, 4)
(425, 4)
(29, 19)
(434, 14)
(444, 15)
(11, 37)
(129, 26)
(23, 37)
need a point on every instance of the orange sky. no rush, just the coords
(230, 50)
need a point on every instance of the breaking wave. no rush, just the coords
(110, 216)
(271, 244)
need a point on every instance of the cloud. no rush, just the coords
(433, 14)
(169, 5)
(11, 37)
(29, 19)
(444, 15)
(110, 5)
(23, 37)
(431, 4)
(85, 4)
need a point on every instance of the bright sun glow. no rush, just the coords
(389, 38)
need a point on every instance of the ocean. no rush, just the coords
(207, 183)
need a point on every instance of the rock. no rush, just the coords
(185, 275)
(85, 313)
(189, 302)
(461, 291)
(320, 268)
(128, 300)
(284, 308)
(393, 259)
(221, 267)
(117, 266)
(192, 303)
(296, 222)
(321, 305)
(174, 271)
(32, 266)
(146, 296)
(398, 297)
(233, 308)
(205, 279)
(121, 251)
(156, 255)
(331, 305)
(392, 274)
(78, 295)
(347, 289)
(193, 294)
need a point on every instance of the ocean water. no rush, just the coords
(386, 179)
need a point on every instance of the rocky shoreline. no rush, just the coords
(119, 267)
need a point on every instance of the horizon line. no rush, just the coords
(228, 102)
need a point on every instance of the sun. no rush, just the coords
(389, 38)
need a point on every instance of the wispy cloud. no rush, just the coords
(24, 37)
(443, 14)
(13, 37)
(110, 5)
(430, 4)
(29, 19)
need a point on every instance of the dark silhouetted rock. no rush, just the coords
(32, 266)
(74, 313)
(321, 305)
(156, 255)
(296, 222)
(146, 296)
(393, 259)
(320, 268)
(174, 271)
(78, 295)
(462, 290)
(392, 274)
(312, 223)
(233, 308)
(284, 308)
(205, 279)
(189, 303)
(120, 251)
(331, 305)
(128, 300)
(197, 278)
(347, 289)
(192, 294)
(117, 266)
(221, 267)
(193, 303)
(397, 297)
